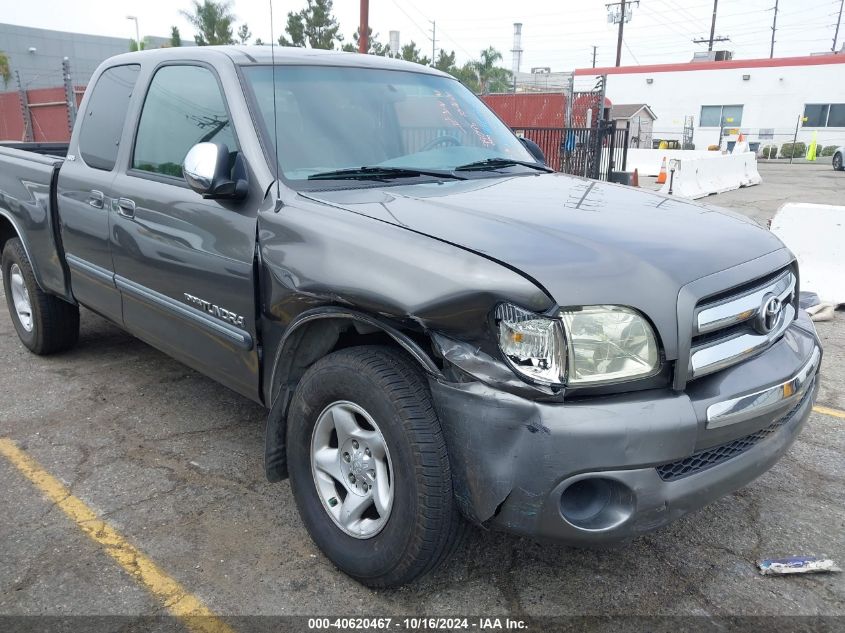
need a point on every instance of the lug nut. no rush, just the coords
(367, 452)
(355, 444)
(346, 457)
(366, 487)
(351, 478)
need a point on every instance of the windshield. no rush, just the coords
(331, 118)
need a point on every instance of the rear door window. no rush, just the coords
(104, 116)
(184, 106)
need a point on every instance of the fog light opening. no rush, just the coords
(597, 503)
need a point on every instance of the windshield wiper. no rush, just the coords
(382, 173)
(489, 164)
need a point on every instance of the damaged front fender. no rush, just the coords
(484, 430)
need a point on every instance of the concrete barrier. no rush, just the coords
(647, 161)
(699, 177)
(816, 234)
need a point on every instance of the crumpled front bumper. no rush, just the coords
(612, 467)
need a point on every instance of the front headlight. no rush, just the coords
(533, 344)
(608, 344)
(587, 345)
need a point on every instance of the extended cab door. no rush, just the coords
(183, 264)
(84, 189)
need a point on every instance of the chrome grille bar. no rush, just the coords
(744, 307)
(709, 358)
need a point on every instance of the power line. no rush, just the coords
(631, 53)
(413, 21)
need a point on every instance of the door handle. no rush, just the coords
(96, 199)
(126, 207)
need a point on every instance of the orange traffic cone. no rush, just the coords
(661, 177)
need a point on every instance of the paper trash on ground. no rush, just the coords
(796, 565)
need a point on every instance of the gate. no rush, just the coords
(595, 152)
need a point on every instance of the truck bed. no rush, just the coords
(58, 150)
(28, 173)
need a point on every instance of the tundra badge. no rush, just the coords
(215, 311)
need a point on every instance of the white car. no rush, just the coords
(839, 159)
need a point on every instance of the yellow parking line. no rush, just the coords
(182, 604)
(836, 413)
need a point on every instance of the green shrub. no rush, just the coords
(793, 150)
(829, 150)
(769, 151)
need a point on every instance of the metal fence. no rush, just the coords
(594, 152)
(549, 140)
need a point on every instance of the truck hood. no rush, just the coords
(584, 242)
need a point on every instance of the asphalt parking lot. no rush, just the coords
(173, 462)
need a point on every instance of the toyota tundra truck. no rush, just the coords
(444, 331)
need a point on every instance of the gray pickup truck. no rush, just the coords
(444, 331)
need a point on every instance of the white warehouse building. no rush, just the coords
(763, 98)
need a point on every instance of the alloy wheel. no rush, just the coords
(20, 298)
(350, 463)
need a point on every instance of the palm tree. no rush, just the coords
(489, 75)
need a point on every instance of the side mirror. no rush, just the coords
(207, 171)
(535, 150)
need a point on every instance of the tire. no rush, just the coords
(52, 324)
(838, 162)
(423, 525)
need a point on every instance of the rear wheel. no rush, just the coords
(837, 162)
(368, 466)
(44, 323)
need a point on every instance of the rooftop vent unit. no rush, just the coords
(712, 56)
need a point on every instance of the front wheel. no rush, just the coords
(837, 162)
(368, 466)
(44, 323)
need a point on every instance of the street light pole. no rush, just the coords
(137, 31)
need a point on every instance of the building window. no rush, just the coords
(721, 116)
(815, 114)
(824, 115)
(836, 118)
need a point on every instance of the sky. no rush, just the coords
(557, 34)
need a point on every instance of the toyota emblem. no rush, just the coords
(769, 314)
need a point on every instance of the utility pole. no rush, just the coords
(594, 56)
(713, 25)
(774, 29)
(712, 37)
(619, 41)
(433, 40)
(838, 22)
(623, 16)
(364, 28)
